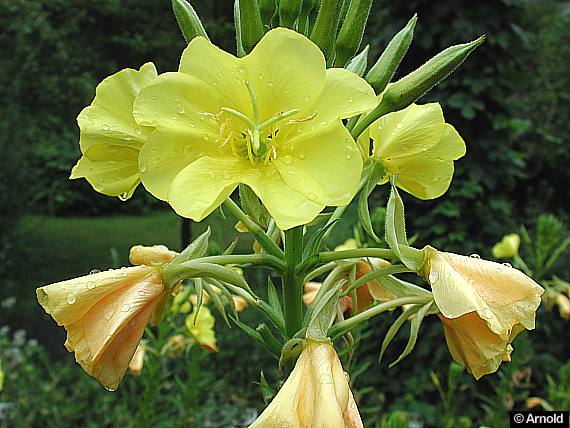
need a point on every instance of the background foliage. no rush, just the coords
(509, 101)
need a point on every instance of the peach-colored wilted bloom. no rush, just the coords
(157, 254)
(176, 345)
(483, 305)
(105, 315)
(137, 362)
(315, 395)
(240, 303)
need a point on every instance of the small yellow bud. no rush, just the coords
(240, 303)
(157, 254)
(563, 304)
(137, 362)
(508, 247)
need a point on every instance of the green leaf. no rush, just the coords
(414, 330)
(395, 327)
(188, 20)
(248, 330)
(273, 297)
(323, 314)
(289, 11)
(267, 10)
(316, 241)
(196, 249)
(402, 288)
(266, 391)
(291, 350)
(253, 207)
(216, 300)
(199, 295)
(375, 171)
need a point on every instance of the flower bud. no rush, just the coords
(326, 26)
(351, 31)
(176, 345)
(508, 247)
(137, 362)
(267, 10)
(289, 11)
(157, 254)
(251, 27)
(383, 70)
(240, 303)
(359, 63)
(563, 304)
(188, 20)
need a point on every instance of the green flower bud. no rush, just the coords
(411, 87)
(382, 72)
(351, 31)
(359, 63)
(251, 27)
(267, 10)
(326, 26)
(289, 11)
(237, 20)
(188, 20)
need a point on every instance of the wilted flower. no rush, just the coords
(508, 247)
(157, 254)
(137, 362)
(176, 345)
(201, 327)
(105, 315)
(240, 303)
(110, 139)
(315, 395)
(416, 144)
(271, 120)
(483, 305)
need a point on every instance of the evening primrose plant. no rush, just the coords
(284, 135)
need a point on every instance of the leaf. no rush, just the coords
(273, 297)
(199, 295)
(376, 170)
(196, 249)
(323, 313)
(395, 327)
(316, 241)
(414, 330)
(216, 300)
(400, 287)
(266, 391)
(188, 20)
(253, 207)
(291, 350)
(248, 330)
(232, 246)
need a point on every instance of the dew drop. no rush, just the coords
(138, 131)
(507, 265)
(351, 100)
(124, 196)
(109, 315)
(180, 109)
(192, 125)
(126, 307)
(348, 153)
(433, 277)
(260, 77)
(270, 84)
(109, 389)
(70, 298)
(91, 285)
(288, 160)
(475, 256)
(307, 98)
(486, 314)
(312, 196)
(188, 150)
(141, 293)
(301, 155)
(323, 124)
(94, 271)
(105, 127)
(154, 97)
(143, 167)
(205, 137)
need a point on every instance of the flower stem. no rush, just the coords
(330, 256)
(292, 283)
(269, 246)
(343, 327)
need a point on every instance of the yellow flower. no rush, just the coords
(508, 247)
(202, 328)
(137, 362)
(105, 315)
(315, 395)
(271, 120)
(416, 144)
(483, 305)
(110, 139)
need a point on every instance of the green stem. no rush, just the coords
(343, 327)
(269, 246)
(292, 284)
(356, 253)
(243, 259)
(319, 271)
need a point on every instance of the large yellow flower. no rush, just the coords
(271, 120)
(110, 139)
(416, 144)
(483, 305)
(315, 395)
(105, 315)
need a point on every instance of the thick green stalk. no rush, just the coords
(292, 283)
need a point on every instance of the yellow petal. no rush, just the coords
(287, 71)
(315, 395)
(224, 74)
(472, 344)
(508, 247)
(324, 165)
(105, 315)
(157, 254)
(407, 132)
(501, 295)
(111, 170)
(427, 175)
(202, 328)
(137, 362)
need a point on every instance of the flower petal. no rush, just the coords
(167, 152)
(410, 131)
(324, 165)
(427, 175)
(287, 71)
(109, 119)
(110, 169)
(222, 72)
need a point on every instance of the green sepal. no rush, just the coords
(248, 330)
(326, 26)
(196, 249)
(267, 392)
(188, 20)
(359, 63)
(267, 10)
(401, 288)
(395, 328)
(323, 313)
(375, 170)
(199, 295)
(303, 26)
(273, 298)
(396, 232)
(269, 339)
(383, 70)
(252, 206)
(237, 20)
(291, 350)
(216, 300)
(351, 31)
(251, 27)
(414, 331)
(316, 241)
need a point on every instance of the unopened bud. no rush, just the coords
(251, 26)
(351, 31)
(326, 26)
(359, 63)
(289, 11)
(188, 20)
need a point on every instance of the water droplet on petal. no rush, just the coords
(91, 285)
(70, 298)
(205, 137)
(192, 125)
(270, 83)
(348, 153)
(180, 109)
(105, 127)
(433, 277)
(260, 77)
(138, 131)
(351, 100)
(126, 307)
(141, 293)
(124, 196)
(486, 314)
(110, 314)
(288, 160)
(301, 155)
(143, 167)
(475, 256)
(507, 265)
(94, 271)
(312, 196)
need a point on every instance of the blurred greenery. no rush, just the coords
(509, 101)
